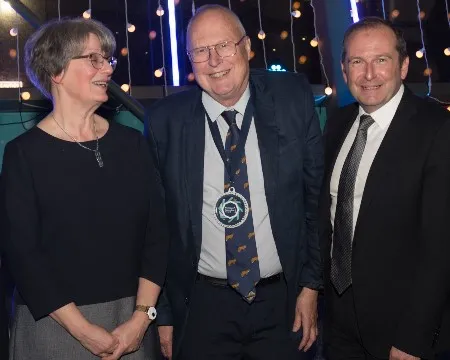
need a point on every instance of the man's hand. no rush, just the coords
(397, 354)
(306, 317)
(166, 338)
(130, 335)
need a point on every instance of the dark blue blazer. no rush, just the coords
(289, 139)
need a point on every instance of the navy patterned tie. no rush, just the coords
(241, 253)
(341, 261)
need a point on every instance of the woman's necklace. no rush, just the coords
(98, 156)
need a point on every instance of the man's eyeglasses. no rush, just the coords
(97, 60)
(223, 49)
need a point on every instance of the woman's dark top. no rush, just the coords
(77, 232)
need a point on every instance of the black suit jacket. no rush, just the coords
(289, 139)
(401, 246)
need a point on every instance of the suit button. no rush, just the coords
(186, 300)
(194, 263)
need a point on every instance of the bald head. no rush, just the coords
(209, 14)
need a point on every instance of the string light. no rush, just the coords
(448, 108)
(131, 28)
(152, 35)
(395, 14)
(296, 5)
(262, 34)
(127, 29)
(423, 48)
(284, 34)
(420, 53)
(14, 31)
(447, 50)
(87, 14)
(324, 72)
(292, 35)
(384, 9)
(328, 91)
(160, 11)
(296, 13)
(125, 87)
(25, 95)
(162, 71)
(18, 56)
(124, 51)
(314, 42)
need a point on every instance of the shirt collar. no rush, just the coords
(214, 109)
(384, 115)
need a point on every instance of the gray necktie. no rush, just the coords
(341, 261)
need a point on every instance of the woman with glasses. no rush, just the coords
(87, 235)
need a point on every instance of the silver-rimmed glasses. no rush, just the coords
(97, 60)
(223, 49)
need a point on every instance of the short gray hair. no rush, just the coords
(49, 50)
(214, 7)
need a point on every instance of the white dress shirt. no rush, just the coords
(383, 118)
(212, 256)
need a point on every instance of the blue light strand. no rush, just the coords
(173, 43)
(355, 15)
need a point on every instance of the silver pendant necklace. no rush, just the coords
(96, 152)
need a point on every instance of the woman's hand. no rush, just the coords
(94, 338)
(97, 340)
(130, 335)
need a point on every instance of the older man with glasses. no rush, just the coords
(241, 163)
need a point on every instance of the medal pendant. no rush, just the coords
(231, 209)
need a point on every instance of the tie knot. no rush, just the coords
(365, 121)
(230, 116)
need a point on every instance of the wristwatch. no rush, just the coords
(149, 310)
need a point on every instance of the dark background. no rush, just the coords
(146, 54)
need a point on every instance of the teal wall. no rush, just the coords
(10, 125)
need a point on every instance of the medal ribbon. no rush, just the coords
(240, 150)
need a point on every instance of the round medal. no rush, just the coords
(231, 209)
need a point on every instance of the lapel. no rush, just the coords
(194, 149)
(387, 153)
(267, 130)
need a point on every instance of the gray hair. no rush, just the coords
(219, 8)
(49, 50)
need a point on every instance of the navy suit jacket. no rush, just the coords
(289, 139)
(401, 245)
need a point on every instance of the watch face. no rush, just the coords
(151, 313)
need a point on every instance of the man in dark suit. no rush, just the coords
(385, 208)
(244, 270)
